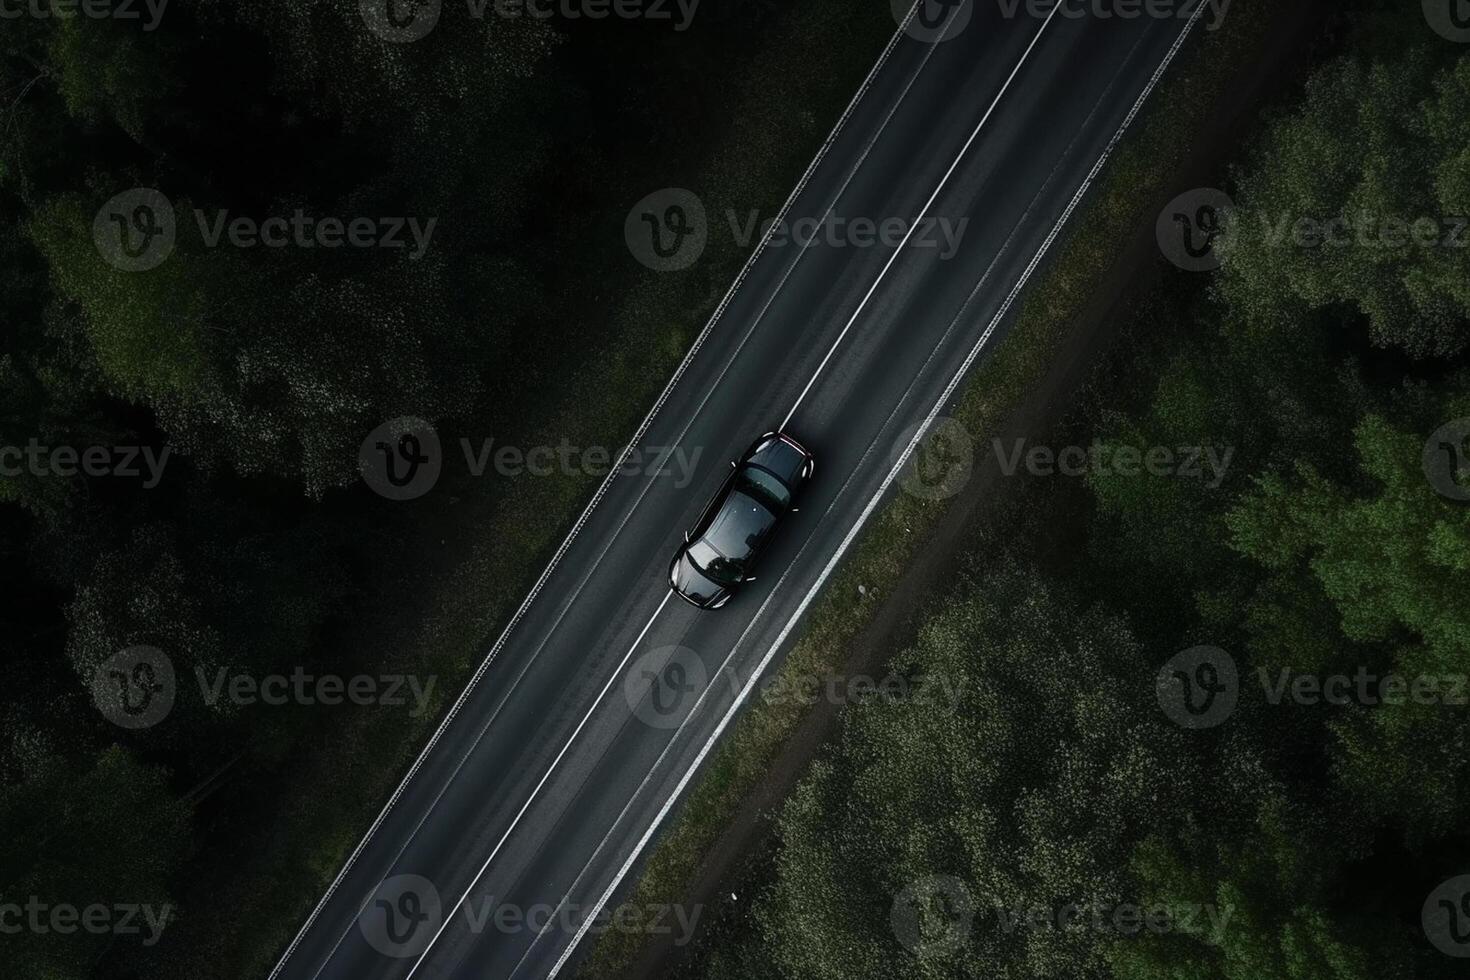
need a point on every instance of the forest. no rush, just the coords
(235, 240)
(1063, 817)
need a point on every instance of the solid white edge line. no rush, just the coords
(449, 916)
(725, 668)
(596, 498)
(974, 134)
(872, 503)
(790, 270)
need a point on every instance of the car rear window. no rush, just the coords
(780, 458)
(766, 488)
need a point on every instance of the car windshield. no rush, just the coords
(765, 487)
(713, 565)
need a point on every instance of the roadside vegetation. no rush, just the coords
(261, 370)
(1141, 168)
(1294, 838)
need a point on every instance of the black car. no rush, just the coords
(719, 552)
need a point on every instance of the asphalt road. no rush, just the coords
(534, 802)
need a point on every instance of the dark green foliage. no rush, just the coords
(1313, 830)
(106, 831)
(1379, 143)
(261, 369)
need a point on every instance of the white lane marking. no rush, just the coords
(846, 542)
(725, 670)
(914, 226)
(596, 498)
(537, 790)
(632, 509)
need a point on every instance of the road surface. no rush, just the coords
(504, 850)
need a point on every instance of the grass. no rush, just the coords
(1136, 176)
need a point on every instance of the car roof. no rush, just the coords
(739, 526)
